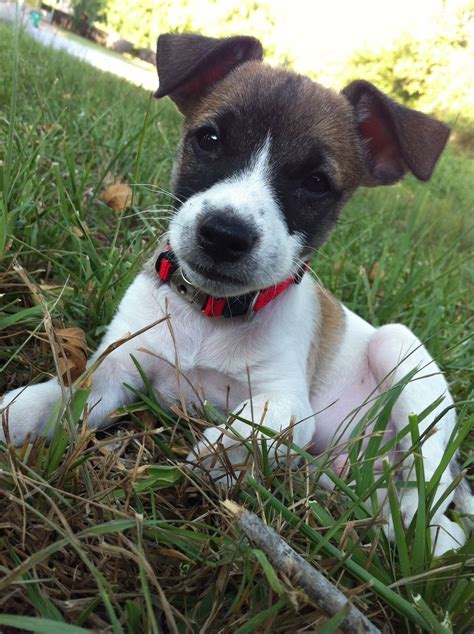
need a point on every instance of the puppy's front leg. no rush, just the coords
(222, 453)
(32, 410)
(36, 409)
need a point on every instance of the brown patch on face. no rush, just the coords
(328, 336)
(300, 113)
(310, 129)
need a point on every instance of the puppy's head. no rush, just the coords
(268, 158)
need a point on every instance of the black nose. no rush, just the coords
(225, 238)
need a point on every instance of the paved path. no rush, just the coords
(49, 35)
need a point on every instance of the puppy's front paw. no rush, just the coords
(222, 454)
(28, 410)
(225, 453)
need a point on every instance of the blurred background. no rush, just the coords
(421, 52)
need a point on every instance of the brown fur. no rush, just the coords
(365, 137)
(328, 336)
(313, 112)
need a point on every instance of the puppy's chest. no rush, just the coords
(198, 385)
(197, 361)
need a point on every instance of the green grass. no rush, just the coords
(89, 540)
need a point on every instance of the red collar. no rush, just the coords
(169, 271)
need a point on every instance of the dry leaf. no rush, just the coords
(117, 196)
(72, 353)
(147, 418)
(374, 271)
(48, 127)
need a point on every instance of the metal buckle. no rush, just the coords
(188, 291)
(194, 295)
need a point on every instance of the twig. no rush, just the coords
(326, 596)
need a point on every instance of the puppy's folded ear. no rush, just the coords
(396, 139)
(188, 64)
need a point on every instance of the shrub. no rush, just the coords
(85, 13)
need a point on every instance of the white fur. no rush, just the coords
(190, 358)
(368, 362)
(217, 357)
(250, 196)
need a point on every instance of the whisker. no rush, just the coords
(161, 190)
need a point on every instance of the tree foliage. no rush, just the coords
(85, 12)
(142, 21)
(432, 72)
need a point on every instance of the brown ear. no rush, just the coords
(396, 138)
(189, 64)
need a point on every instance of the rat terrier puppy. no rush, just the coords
(266, 162)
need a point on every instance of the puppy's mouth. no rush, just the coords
(214, 281)
(216, 276)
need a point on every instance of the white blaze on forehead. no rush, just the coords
(251, 186)
(261, 161)
(248, 195)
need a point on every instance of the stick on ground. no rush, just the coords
(326, 596)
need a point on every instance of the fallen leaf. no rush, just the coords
(117, 196)
(72, 353)
(48, 127)
(373, 272)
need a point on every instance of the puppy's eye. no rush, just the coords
(208, 139)
(317, 183)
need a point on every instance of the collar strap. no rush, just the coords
(169, 271)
